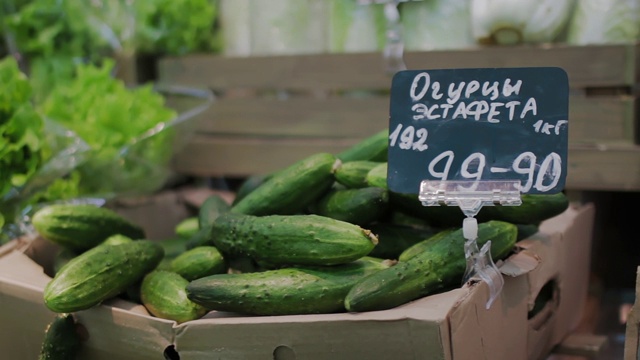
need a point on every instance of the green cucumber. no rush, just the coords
(439, 266)
(393, 239)
(291, 190)
(353, 174)
(172, 247)
(291, 239)
(199, 262)
(99, 274)
(534, 209)
(116, 239)
(287, 291)
(80, 227)
(61, 339)
(422, 246)
(62, 257)
(372, 148)
(249, 184)
(361, 206)
(187, 227)
(164, 295)
(377, 176)
(212, 206)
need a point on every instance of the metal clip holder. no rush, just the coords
(471, 196)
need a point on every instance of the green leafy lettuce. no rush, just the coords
(126, 128)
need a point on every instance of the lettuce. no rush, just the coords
(21, 129)
(115, 122)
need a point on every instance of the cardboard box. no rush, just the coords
(449, 325)
(632, 333)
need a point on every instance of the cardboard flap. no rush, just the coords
(18, 267)
(520, 263)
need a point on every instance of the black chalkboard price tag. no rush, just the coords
(479, 124)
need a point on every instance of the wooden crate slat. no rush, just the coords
(303, 117)
(224, 156)
(587, 66)
(589, 168)
(603, 168)
(602, 119)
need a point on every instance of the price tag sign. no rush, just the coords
(479, 124)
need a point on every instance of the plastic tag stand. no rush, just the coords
(394, 41)
(471, 196)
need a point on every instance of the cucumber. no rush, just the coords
(372, 148)
(164, 295)
(393, 239)
(212, 206)
(439, 266)
(187, 227)
(361, 206)
(288, 291)
(353, 174)
(378, 176)
(291, 239)
(172, 248)
(62, 257)
(423, 245)
(534, 209)
(99, 274)
(249, 184)
(291, 190)
(80, 227)
(199, 262)
(61, 339)
(116, 239)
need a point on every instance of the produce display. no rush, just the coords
(313, 253)
(323, 235)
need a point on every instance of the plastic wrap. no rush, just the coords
(604, 22)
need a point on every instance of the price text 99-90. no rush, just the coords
(543, 177)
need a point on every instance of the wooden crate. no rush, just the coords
(272, 111)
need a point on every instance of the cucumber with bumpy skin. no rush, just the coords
(187, 227)
(440, 265)
(291, 190)
(393, 239)
(361, 206)
(291, 239)
(99, 274)
(164, 294)
(372, 148)
(199, 262)
(211, 208)
(287, 291)
(353, 174)
(423, 245)
(82, 226)
(61, 339)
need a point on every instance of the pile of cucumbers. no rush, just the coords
(323, 235)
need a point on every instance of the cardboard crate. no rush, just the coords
(274, 110)
(449, 325)
(632, 334)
